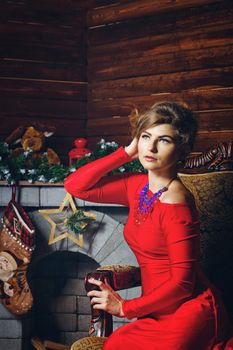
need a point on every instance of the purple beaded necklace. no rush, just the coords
(145, 204)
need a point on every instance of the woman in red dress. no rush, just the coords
(178, 308)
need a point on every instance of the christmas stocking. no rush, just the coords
(16, 247)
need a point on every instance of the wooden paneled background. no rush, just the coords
(144, 51)
(82, 65)
(43, 67)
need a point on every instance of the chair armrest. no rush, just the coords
(123, 276)
(118, 277)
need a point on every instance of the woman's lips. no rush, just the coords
(150, 159)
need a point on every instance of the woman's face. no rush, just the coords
(158, 148)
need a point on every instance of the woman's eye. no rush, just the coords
(145, 136)
(164, 141)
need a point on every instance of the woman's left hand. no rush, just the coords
(106, 298)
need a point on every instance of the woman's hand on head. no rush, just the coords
(132, 149)
(106, 298)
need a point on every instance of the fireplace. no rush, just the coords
(61, 310)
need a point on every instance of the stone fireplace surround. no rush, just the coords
(61, 310)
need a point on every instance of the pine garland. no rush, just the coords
(79, 221)
(29, 167)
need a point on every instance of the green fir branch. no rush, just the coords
(29, 167)
(78, 221)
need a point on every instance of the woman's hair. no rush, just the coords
(175, 114)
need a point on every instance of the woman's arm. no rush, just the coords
(88, 182)
(182, 236)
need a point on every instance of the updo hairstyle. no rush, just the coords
(177, 115)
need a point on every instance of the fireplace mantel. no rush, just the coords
(42, 195)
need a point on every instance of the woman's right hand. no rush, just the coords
(132, 149)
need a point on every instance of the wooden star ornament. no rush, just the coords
(58, 218)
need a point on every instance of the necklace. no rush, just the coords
(145, 205)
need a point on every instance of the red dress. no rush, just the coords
(178, 308)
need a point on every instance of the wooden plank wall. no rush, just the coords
(43, 67)
(144, 51)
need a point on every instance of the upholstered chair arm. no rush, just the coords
(123, 276)
(118, 277)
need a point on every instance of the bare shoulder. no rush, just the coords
(177, 193)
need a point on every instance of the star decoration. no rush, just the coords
(58, 218)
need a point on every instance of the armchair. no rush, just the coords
(210, 179)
